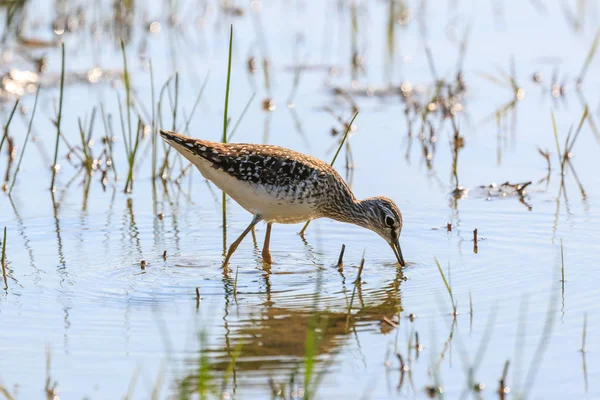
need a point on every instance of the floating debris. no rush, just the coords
(198, 297)
(503, 389)
(433, 391)
(506, 189)
(251, 65)
(268, 105)
(460, 192)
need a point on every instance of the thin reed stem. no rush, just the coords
(557, 141)
(165, 163)
(37, 93)
(127, 91)
(176, 105)
(583, 334)
(131, 158)
(562, 261)
(154, 151)
(241, 116)
(130, 147)
(470, 304)
(189, 119)
(356, 283)
(59, 118)
(235, 282)
(8, 124)
(3, 260)
(224, 138)
(448, 288)
(589, 58)
(348, 129)
(109, 140)
(225, 113)
(84, 146)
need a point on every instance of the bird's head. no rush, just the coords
(382, 216)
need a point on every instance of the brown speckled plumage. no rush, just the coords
(286, 174)
(281, 185)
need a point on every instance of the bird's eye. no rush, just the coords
(389, 221)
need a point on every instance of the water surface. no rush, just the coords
(76, 290)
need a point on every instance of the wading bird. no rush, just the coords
(279, 185)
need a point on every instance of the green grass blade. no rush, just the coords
(556, 139)
(538, 355)
(224, 138)
(581, 121)
(84, 146)
(310, 350)
(448, 288)
(562, 262)
(164, 89)
(589, 57)
(8, 124)
(37, 93)
(189, 119)
(176, 105)
(127, 92)
(241, 116)
(109, 137)
(312, 342)
(225, 114)
(348, 128)
(235, 282)
(497, 81)
(231, 366)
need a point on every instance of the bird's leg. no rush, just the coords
(254, 237)
(266, 253)
(237, 242)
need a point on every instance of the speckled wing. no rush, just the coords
(255, 163)
(266, 165)
(280, 184)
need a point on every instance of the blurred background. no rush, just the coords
(479, 118)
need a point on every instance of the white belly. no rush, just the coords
(257, 199)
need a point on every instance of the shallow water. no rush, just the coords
(76, 290)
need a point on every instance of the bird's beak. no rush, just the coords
(398, 252)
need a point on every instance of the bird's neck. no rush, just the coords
(350, 210)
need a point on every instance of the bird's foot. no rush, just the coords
(266, 256)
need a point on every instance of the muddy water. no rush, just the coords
(77, 292)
